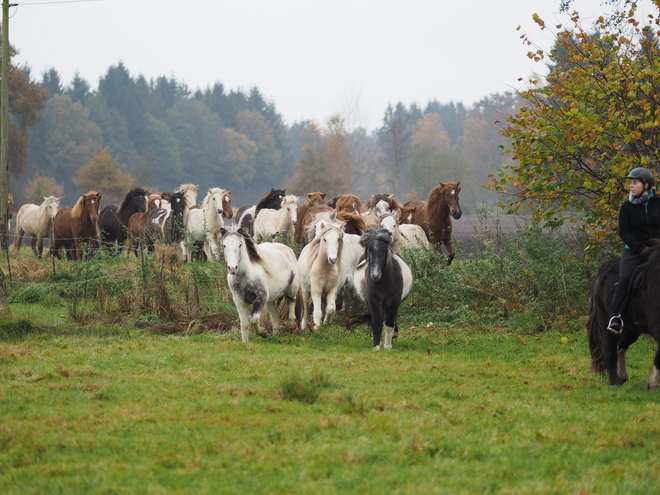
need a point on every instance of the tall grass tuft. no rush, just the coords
(295, 388)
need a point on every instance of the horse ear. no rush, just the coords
(397, 215)
(323, 195)
(441, 184)
(223, 231)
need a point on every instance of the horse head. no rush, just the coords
(391, 224)
(315, 198)
(227, 210)
(291, 205)
(87, 204)
(10, 206)
(332, 238)
(450, 191)
(52, 204)
(376, 243)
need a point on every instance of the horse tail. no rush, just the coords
(357, 320)
(598, 315)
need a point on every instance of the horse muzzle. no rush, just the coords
(231, 270)
(456, 214)
(375, 275)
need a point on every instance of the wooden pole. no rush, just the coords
(4, 129)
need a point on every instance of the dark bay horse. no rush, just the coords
(382, 281)
(641, 315)
(246, 214)
(74, 226)
(113, 219)
(434, 215)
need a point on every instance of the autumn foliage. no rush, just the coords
(596, 117)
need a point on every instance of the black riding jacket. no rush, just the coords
(639, 223)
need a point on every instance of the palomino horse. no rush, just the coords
(259, 275)
(313, 199)
(377, 206)
(204, 224)
(641, 315)
(36, 221)
(76, 225)
(190, 193)
(270, 222)
(434, 215)
(382, 281)
(246, 215)
(408, 236)
(113, 219)
(323, 271)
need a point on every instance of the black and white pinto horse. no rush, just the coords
(165, 226)
(258, 276)
(382, 281)
(113, 219)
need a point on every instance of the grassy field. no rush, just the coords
(447, 410)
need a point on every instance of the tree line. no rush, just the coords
(160, 134)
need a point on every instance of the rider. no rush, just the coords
(639, 222)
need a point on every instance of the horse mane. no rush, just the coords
(212, 191)
(314, 198)
(371, 203)
(250, 245)
(136, 191)
(348, 202)
(315, 244)
(375, 233)
(79, 207)
(355, 220)
(435, 202)
(184, 188)
(290, 199)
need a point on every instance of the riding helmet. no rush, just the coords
(643, 174)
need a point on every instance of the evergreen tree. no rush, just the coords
(52, 82)
(79, 90)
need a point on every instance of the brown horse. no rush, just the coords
(434, 215)
(313, 199)
(354, 222)
(346, 202)
(76, 225)
(137, 224)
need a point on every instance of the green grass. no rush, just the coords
(446, 411)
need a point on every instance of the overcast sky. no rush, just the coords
(311, 58)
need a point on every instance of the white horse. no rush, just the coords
(204, 224)
(352, 249)
(404, 235)
(259, 275)
(36, 221)
(270, 222)
(322, 273)
(379, 205)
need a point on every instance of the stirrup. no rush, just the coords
(615, 325)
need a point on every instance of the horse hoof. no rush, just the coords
(263, 334)
(376, 348)
(387, 346)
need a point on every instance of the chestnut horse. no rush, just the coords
(76, 225)
(313, 199)
(434, 215)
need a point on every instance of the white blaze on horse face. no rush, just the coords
(383, 207)
(232, 246)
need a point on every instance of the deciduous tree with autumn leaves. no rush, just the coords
(594, 118)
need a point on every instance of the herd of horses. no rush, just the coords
(346, 243)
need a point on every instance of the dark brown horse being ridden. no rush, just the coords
(434, 215)
(74, 226)
(641, 315)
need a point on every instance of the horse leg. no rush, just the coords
(244, 319)
(330, 305)
(450, 251)
(259, 304)
(33, 245)
(275, 316)
(317, 302)
(376, 324)
(654, 377)
(388, 327)
(40, 246)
